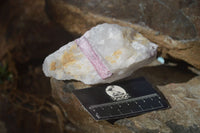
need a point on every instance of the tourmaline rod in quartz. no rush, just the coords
(88, 51)
(105, 53)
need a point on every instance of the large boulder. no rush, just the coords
(182, 116)
(173, 25)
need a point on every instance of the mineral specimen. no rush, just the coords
(105, 53)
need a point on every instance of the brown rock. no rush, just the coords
(76, 113)
(183, 116)
(2, 127)
(190, 55)
(161, 22)
(164, 16)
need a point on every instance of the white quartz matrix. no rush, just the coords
(120, 49)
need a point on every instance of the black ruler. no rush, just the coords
(120, 100)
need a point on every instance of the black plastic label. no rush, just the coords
(120, 100)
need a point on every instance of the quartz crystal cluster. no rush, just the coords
(105, 53)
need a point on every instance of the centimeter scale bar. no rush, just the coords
(127, 107)
(120, 100)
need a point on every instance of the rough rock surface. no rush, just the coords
(152, 13)
(177, 32)
(106, 53)
(183, 116)
(29, 34)
(2, 127)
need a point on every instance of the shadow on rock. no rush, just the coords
(164, 74)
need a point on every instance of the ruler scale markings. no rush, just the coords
(141, 98)
(126, 111)
(118, 102)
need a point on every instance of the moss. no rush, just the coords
(5, 75)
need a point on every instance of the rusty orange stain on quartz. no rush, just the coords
(117, 53)
(73, 47)
(110, 59)
(53, 66)
(141, 39)
(68, 59)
